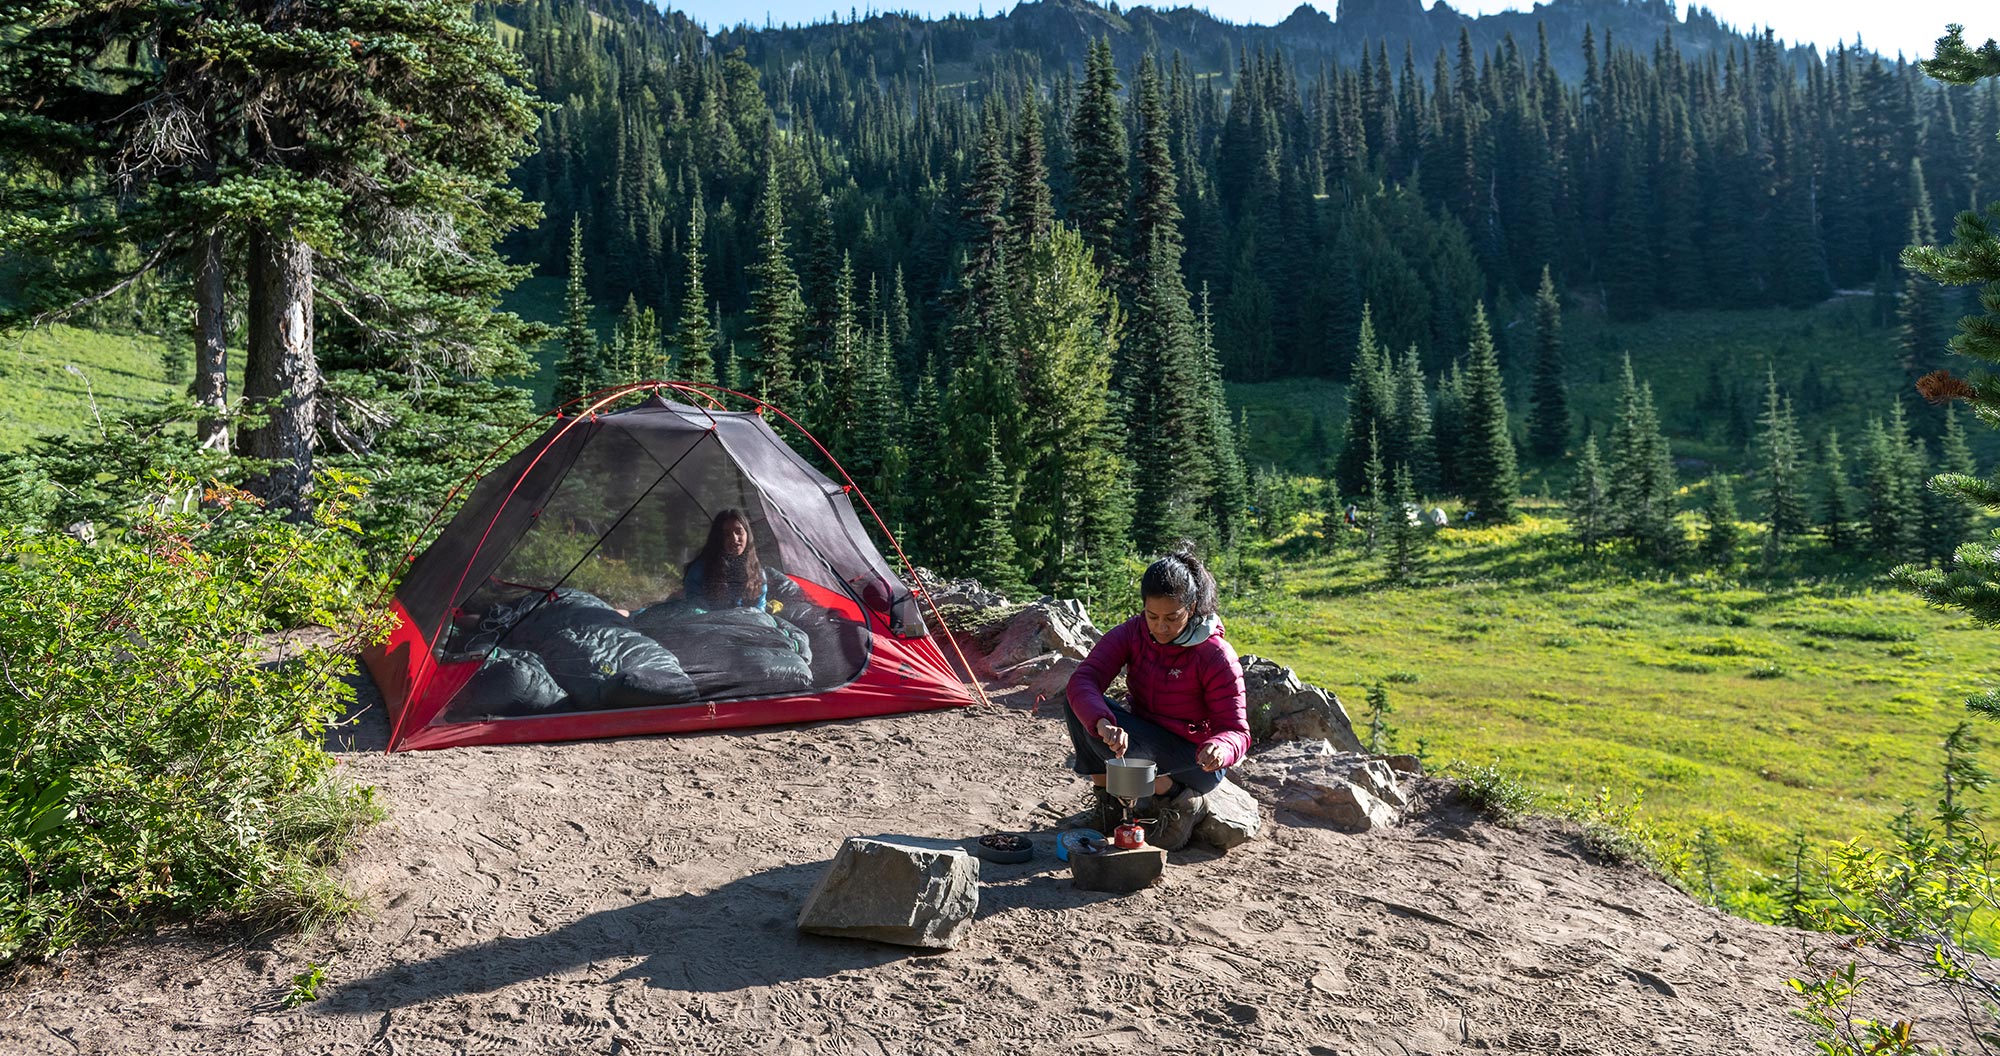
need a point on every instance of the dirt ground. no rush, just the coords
(640, 896)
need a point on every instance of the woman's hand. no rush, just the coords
(1211, 756)
(1113, 737)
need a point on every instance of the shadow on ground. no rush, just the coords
(740, 935)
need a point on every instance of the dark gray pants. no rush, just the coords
(1172, 756)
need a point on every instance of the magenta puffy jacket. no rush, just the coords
(1194, 690)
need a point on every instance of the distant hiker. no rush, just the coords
(1353, 513)
(1186, 711)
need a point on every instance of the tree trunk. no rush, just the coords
(211, 363)
(279, 366)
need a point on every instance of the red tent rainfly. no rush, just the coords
(554, 606)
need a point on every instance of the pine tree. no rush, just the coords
(581, 371)
(1642, 484)
(1030, 213)
(1548, 422)
(1920, 312)
(1890, 508)
(1720, 531)
(1448, 430)
(1947, 518)
(695, 337)
(1486, 472)
(1376, 504)
(1180, 446)
(1589, 502)
(1783, 486)
(1835, 510)
(991, 558)
(1379, 731)
(1098, 192)
(1368, 404)
(1405, 533)
(776, 312)
(1413, 423)
(635, 345)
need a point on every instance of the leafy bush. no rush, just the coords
(158, 760)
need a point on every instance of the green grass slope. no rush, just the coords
(1756, 710)
(39, 393)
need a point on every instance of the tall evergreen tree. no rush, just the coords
(1588, 502)
(695, 337)
(1548, 421)
(1413, 423)
(1174, 423)
(1720, 532)
(1486, 471)
(1642, 485)
(776, 311)
(1778, 455)
(1836, 511)
(1030, 212)
(1947, 519)
(1098, 181)
(1368, 408)
(1375, 505)
(635, 345)
(582, 369)
(992, 559)
(1406, 536)
(1920, 313)
(1890, 507)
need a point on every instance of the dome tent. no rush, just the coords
(554, 606)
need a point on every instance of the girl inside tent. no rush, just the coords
(1186, 711)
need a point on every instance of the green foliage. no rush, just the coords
(1491, 789)
(1379, 709)
(1778, 451)
(1486, 469)
(1589, 500)
(1548, 423)
(1720, 532)
(157, 762)
(305, 985)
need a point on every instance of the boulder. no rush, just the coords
(1404, 764)
(904, 891)
(1232, 818)
(1340, 804)
(1046, 626)
(1353, 792)
(1284, 709)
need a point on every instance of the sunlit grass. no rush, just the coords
(1810, 703)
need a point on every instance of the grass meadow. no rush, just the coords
(38, 394)
(1758, 708)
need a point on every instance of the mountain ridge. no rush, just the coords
(1057, 32)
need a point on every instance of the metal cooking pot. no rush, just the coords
(1129, 778)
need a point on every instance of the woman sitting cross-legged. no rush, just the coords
(1186, 711)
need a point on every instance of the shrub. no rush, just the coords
(158, 761)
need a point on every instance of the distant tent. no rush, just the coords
(557, 603)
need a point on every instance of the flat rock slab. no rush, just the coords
(1352, 792)
(1120, 872)
(906, 892)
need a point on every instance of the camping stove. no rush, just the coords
(1127, 781)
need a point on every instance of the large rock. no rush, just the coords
(1039, 647)
(1351, 791)
(904, 891)
(1282, 708)
(1232, 818)
(1343, 805)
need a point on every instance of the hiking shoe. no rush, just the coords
(1102, 812)
(1176, 816)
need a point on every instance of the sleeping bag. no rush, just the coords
(740, 652)
(608, 665)
(511, 682)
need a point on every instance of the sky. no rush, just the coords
(1887, 26)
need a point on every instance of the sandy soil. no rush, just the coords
(639, 896)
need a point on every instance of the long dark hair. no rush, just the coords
(1179, 575)
(727, 580)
